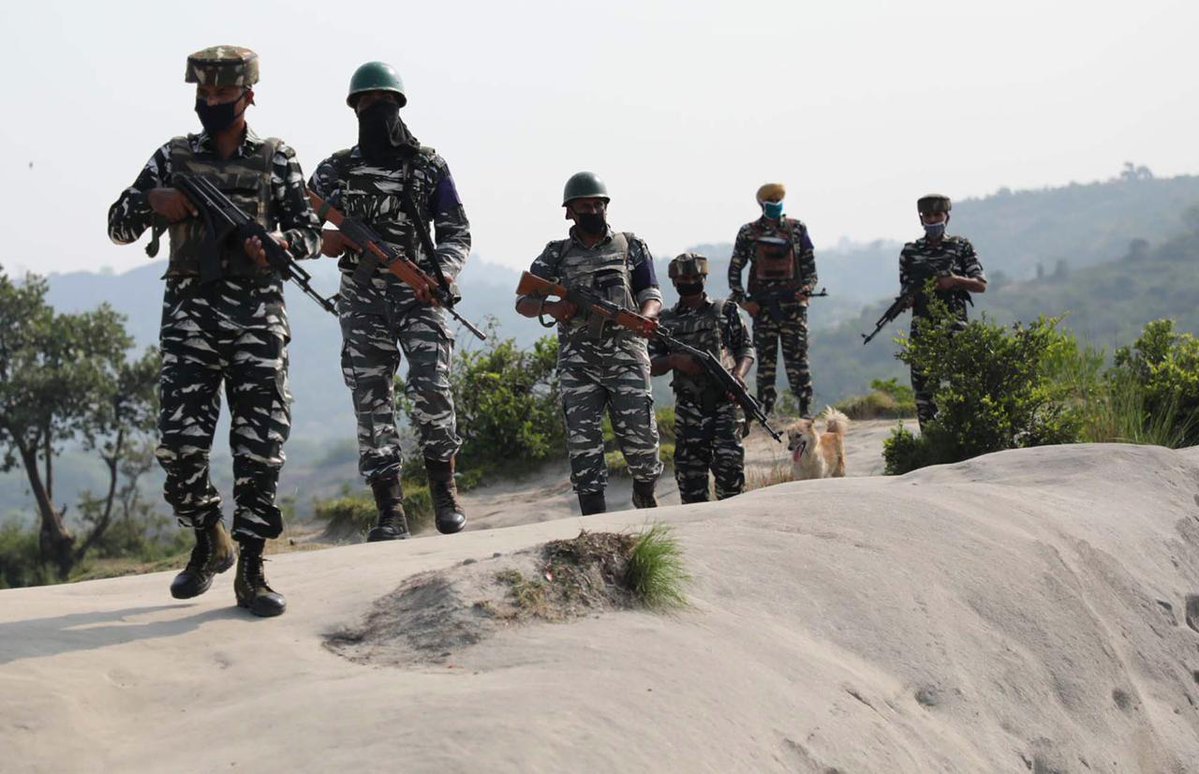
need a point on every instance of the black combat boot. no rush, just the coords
(643, 494)
(805, 410)
(250, 584)
(389, 499)
(592, 502)
(450, 518)
(214, 552)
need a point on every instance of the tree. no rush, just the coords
(63, 378)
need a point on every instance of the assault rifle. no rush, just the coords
(363, 238)
(223, 219)
(771, 300)
(596, 307)
(897, 307)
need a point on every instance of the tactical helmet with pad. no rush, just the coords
(688, 265)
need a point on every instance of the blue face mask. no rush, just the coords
(772, 210)
(934, 230)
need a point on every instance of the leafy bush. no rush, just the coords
(1164, 365)
(994, 390)
(507, 403)
(19, 563)
(888, 399)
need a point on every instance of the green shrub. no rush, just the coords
(507, 404)
(20, 563)
(655, 572)
(1164, 365)
(994, 390)
(887, 400)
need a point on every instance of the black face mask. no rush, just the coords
(592, 223)
(689, 288)
(381, 133)
(217, 118)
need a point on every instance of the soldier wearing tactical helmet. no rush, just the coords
(601, 367)
(952, 260)
(232, 329)
(708, 425)
(381, 315)
(782, 275)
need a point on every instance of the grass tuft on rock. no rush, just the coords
(654, 572)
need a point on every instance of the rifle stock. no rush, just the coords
(364, 239)
(224, 218)
(532, 285)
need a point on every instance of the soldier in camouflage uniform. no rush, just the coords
(952, 260)
(381, 315)
(231, 330)
(601, 366)
(708, 426)
(782, 273)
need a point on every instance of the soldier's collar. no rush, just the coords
(680, 306)
(250, 142)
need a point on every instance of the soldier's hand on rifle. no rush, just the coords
(257, 252)
(563, 311)
(753, 308)
(334, 243)
(424, 295)
(948, 282)
(171, 204)
(686, 364)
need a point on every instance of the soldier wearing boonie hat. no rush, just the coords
(230, 330)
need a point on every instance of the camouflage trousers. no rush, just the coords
(623, 389)
(708, 438)
(792, 330)
(376, 327)
(232, 332)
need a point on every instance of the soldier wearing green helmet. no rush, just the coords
(601, 368)
(231, 330)
(382, 317)
(958, 272)
(708, 425)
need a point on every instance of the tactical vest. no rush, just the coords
(603, 270)
(247, 182)
(372, 195)
(774, 259)
(702, 330)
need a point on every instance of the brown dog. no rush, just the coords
(816, 454)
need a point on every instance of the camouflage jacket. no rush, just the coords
(370, 193)
(575, 345)
(922, 259)
(130, 215)
(690, 326)
(744, 252)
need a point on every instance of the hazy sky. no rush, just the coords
(684, 108)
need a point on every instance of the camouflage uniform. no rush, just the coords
(380, 314)
(606, 368)
(781, 260)
(232, 330)
(708, 426)
(919, 261)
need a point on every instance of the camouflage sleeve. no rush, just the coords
(130, 215)
(324, 180)
(736, 334)
(543, 266)
(641, 268)
(905, 268)
(449, 220)
(806, 258)
(968, 263)
(293, 213)
(738, 262)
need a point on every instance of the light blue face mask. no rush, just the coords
(772, 210)
(934, 230)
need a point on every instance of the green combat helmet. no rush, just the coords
(688, 265)
(933, 203)
(223, 66)
(376, 76)
(584, 185)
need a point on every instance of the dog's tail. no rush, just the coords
(835, 421)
